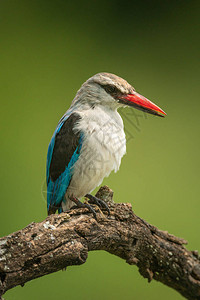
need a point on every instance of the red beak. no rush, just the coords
(139, 102)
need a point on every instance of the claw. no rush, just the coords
(83, 205)
(98, 202)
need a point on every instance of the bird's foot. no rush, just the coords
(99, 202)
(84, 205)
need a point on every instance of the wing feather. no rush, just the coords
(63, 152)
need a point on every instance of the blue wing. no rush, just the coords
(63, 152)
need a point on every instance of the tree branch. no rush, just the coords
(64, 240)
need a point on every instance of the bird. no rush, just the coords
(89, 141)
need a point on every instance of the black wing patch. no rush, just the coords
(66, 142)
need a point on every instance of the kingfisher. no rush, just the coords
(89, 141)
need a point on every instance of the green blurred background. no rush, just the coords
(47, 50)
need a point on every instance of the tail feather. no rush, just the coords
(52, 209)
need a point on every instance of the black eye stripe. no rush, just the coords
(111, 89)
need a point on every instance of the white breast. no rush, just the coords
(104, 145)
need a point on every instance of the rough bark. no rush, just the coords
(64, 240)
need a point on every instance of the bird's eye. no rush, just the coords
(110, 89)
